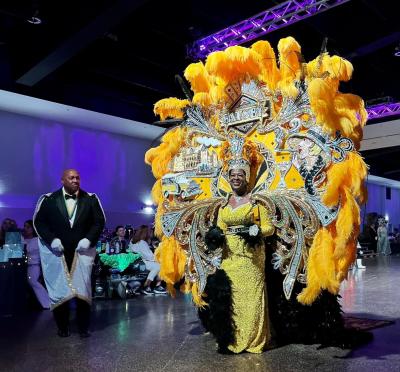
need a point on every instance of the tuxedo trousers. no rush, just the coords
(62, 315)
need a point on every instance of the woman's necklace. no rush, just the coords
(238, 198)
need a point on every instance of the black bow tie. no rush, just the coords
(67, 196)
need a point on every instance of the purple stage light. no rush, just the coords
(263, 23)
(383, 110)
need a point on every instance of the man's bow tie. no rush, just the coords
(67, 196)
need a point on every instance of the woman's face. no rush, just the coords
(237, 180)
(28, 230)
(7, 223)
(144, 233)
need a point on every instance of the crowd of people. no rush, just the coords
(142, 241)
(124, 239)
(121, 240)
(378, 238)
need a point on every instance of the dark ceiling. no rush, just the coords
(119, 57)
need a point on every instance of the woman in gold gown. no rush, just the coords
(243, 224)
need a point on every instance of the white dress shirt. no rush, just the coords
(71, 205)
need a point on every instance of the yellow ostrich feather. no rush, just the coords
(321, 273)
(314, 68)
(160, 156)
(157, 221)
(338, 68)
(345, 262)
(350, 173)
(217, 94)
(270, 73)
(156, 193)
(351, 108)
(334, 110)
(333, 68)
(197, 298)
(234, 63)
(289, 65)
(198, 77)
(313, 288)
(170, 108)
(217, 62)
(186, 287)
(172, 259)
(202, 99)
(322, 97)
(346, 222)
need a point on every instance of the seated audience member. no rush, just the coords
(6, 226)
(32, 250)
(396, 235)
(118, 242)
(14, 226)
(140, 245)
(154, 243)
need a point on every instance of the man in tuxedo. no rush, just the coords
(69, 222)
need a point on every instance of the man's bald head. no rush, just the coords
(71, 181)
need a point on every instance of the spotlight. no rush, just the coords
(148, 210)
(397, 51)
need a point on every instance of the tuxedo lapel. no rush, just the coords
(61, 204)
(81, 205)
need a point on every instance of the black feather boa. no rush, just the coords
(320, 323)
(214, 238)
(217, 316)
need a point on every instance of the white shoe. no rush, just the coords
(359, 264)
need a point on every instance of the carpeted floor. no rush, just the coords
(364, 324)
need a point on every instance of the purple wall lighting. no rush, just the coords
(383, 110)
(34, 153)
(263, 23)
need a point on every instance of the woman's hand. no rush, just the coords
(254, 230)
(214, 238)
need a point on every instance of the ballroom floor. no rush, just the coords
(163, 334)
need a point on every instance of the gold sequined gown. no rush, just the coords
(244, 265)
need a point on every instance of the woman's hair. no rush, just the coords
(30, 223)
(141, 233)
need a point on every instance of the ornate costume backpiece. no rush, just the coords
(309, 178)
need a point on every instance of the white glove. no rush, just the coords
(83, 244)
(216, 261)
(254, 230)
(57, 246)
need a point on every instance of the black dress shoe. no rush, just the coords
(84, 334)
(63, 333)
